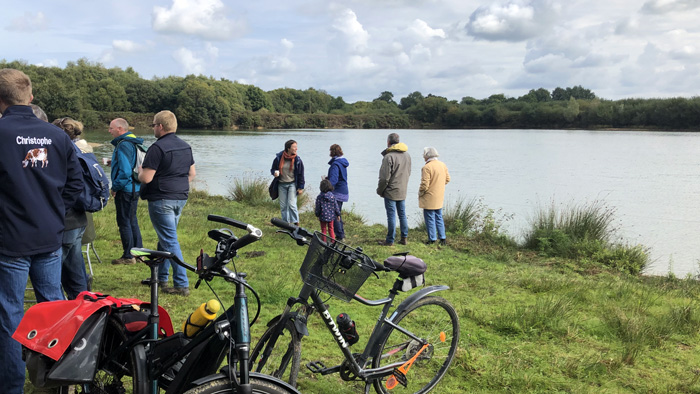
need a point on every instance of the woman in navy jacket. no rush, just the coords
(338, 175)
(289, 169)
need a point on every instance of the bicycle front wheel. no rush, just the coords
(434, 321)
(278, 357)
(259, 386)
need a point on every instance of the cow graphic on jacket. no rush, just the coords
(34, 155)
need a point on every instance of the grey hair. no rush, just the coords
(393, 138)
(39, 113)
(429, 152)
(121, 122)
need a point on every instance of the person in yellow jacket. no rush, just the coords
(431, 195)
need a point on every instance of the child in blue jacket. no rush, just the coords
(326, 208)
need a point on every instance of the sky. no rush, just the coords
(358, 49)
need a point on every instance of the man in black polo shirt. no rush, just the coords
(165, 180)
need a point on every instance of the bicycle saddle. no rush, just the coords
(406, 266)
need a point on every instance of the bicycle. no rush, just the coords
(409, 349)
(176, 363)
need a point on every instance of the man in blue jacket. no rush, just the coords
(125, 189)
(41, 178)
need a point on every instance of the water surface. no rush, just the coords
(652, 179)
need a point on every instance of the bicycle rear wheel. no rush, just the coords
(433, 320)
(123, 371)
(285, 357)
(259, 386)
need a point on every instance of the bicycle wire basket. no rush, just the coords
(335, 268)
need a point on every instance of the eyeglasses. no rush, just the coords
(154, 124)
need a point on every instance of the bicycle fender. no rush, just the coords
(299, 322)
(224, 375)
(413, 298)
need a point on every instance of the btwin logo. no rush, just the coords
(338, 336)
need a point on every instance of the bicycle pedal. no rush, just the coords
(397, 377)
(316, 366)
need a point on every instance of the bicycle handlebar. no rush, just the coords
(296, 232)
(303, 236)
(232, 222)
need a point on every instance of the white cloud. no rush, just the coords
(351, 31)
(48, 63)
(360, 63)
(190, 63)
(288, 45)
(515, 20)
(421, 29)
(666, 6)
(420, 53)
(211, 51)
(29, 22)
(202, 18)
(128, 46)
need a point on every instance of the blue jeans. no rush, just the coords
(73, 275)
(392, 208)
(433, 221)
(44, 270)
(288, 202)
(165, 215)
(338, 225)
(126, 204)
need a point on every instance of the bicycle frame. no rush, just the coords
(204, 353)
(384, 323)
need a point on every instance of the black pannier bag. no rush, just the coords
(79, 362)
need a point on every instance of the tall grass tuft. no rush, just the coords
(476, 220)
(250, 190)
(549, 314)
(461, 216)
(573, 224)
(583, 231)
(637, 332)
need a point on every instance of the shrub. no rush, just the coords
(249, 190)
(474, 219)
(583, 232)
(461, 216)
(575, 223)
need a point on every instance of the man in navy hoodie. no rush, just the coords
(41, 178)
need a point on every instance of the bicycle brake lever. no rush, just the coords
(300, 239)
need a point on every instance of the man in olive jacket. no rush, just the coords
(393, 182)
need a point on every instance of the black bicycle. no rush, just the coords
(409, 350)
(134, 350)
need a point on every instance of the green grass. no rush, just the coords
(583, 231)
(530, 323)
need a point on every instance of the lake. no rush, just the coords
(652, 179)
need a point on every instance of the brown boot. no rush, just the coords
(403, 240)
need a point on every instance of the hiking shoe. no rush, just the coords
(443, 242)
(183, 291)
(429, 242)
(161, 284)
(124, 261)
(403, 240)
(385, 243)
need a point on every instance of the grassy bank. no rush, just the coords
(529, 323)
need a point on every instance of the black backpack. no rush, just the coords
(95, 192)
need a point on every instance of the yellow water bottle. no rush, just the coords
(200, 318)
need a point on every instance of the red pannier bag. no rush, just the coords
(62, 339)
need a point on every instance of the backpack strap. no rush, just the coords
(136, 157)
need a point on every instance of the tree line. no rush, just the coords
(95, 94)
